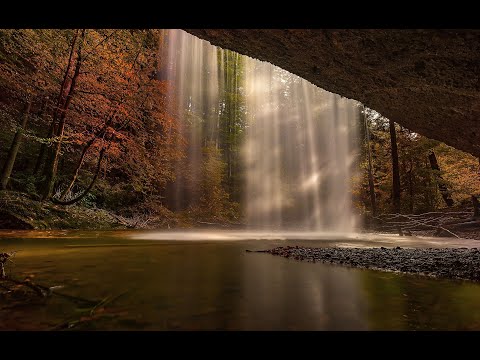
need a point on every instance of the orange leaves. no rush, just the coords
(119, 100)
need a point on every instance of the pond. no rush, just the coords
(205, 280)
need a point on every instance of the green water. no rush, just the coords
(210, 284)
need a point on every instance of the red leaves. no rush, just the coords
(117, 101)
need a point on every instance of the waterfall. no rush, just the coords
(297, 152)
(193, 97)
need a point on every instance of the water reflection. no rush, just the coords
(217, 285)
(284, 294)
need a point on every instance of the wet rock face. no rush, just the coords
(425, 80)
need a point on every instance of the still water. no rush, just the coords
(207, 281)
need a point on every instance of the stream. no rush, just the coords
(205, 280)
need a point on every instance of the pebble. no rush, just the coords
(461, 263)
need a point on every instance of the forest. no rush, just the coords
(88, 129)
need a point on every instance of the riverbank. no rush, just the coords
(451, 263)
(110, 281)
(18, 211)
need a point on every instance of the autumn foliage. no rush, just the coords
(116, 129)
(419, 183)
(86, 118)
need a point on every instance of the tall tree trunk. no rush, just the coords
(428, 192)
(410, 187)
(231, 118)
(12, 153)
(395, 168)
(82, 159)
(52, 164)
(44, 150)
(371, 184)
(444, 191)
(77, 170)
(63, 88)
(221, 90)
(43, 146)
(62, 94)
(99, 134)
(87, 190)
(476, 206)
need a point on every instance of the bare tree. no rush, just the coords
(396, 190)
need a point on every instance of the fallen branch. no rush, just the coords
(4, 258)
(210, 223)
(45, 291)
(466, 225)
(94, 312)
(429, 221)
(38, 290)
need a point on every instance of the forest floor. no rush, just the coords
(473, 234)
(18, 211)
(450, 263)
(459, 222)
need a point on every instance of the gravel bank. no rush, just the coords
(459, 263)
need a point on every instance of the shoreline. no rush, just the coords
(447, 263)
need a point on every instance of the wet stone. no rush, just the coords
(462, 263)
